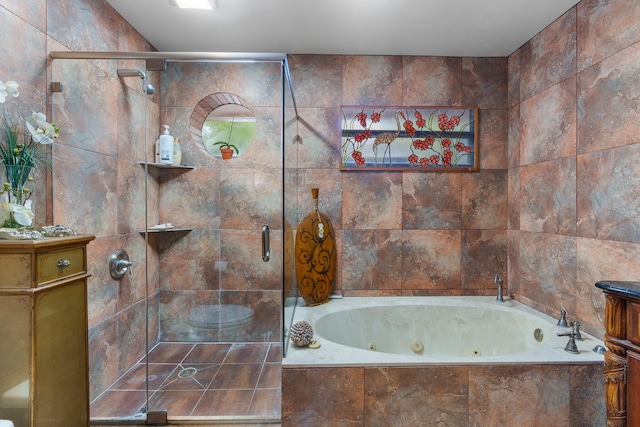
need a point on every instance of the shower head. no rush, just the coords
(146, 86)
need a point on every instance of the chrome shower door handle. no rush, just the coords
(265, 243)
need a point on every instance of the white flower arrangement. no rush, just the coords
(21, 153)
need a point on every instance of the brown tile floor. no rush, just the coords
(199, 380)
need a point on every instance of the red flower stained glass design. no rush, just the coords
(409, 137)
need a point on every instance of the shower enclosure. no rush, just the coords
(195, 331)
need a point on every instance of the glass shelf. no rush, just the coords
(167, 230)
(163, 166)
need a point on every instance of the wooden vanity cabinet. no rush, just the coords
(622, 361)
(43, 332)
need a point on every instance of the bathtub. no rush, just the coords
(388, 331)
(450, 361)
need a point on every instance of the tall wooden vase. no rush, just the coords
(315, 256)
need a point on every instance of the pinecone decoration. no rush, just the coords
(301, 334)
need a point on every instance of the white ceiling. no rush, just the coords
(348, 27)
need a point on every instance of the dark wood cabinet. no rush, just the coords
(622, 361)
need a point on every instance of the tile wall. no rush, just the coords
(562, 107)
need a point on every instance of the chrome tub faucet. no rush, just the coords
(498, 280)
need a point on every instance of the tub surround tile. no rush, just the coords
(602, 258)
(318, 80)
(587, 404)
(431, 201)
(431, 260)
(548, 197)
(431, 81)
(495, 392)
(372, 80)
(609, 194)
(484, 82)
(428, 396)
(513, 261)
(494, 135)
(371, 259)
(329, 184)
(549, 57)
(320, 131)
(548, 124)
(484, 200)
(514, 137)
(372, 200)
(513, 84)
(484, 254)
(605, 28)
(323, 397)
(513, 188)
(606, 96)
(548, 270)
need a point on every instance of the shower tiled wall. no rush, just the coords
(98, 186)
(226, 202)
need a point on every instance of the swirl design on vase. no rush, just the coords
(315, 259)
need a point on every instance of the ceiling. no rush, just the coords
(479, 28)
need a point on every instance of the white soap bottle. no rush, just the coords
(166, 147)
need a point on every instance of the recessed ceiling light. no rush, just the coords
(195, 4)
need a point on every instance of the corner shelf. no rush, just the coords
(168, 230)
(163, 166)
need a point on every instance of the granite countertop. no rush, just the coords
(631, 289)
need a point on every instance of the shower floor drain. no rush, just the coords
(187, 372)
